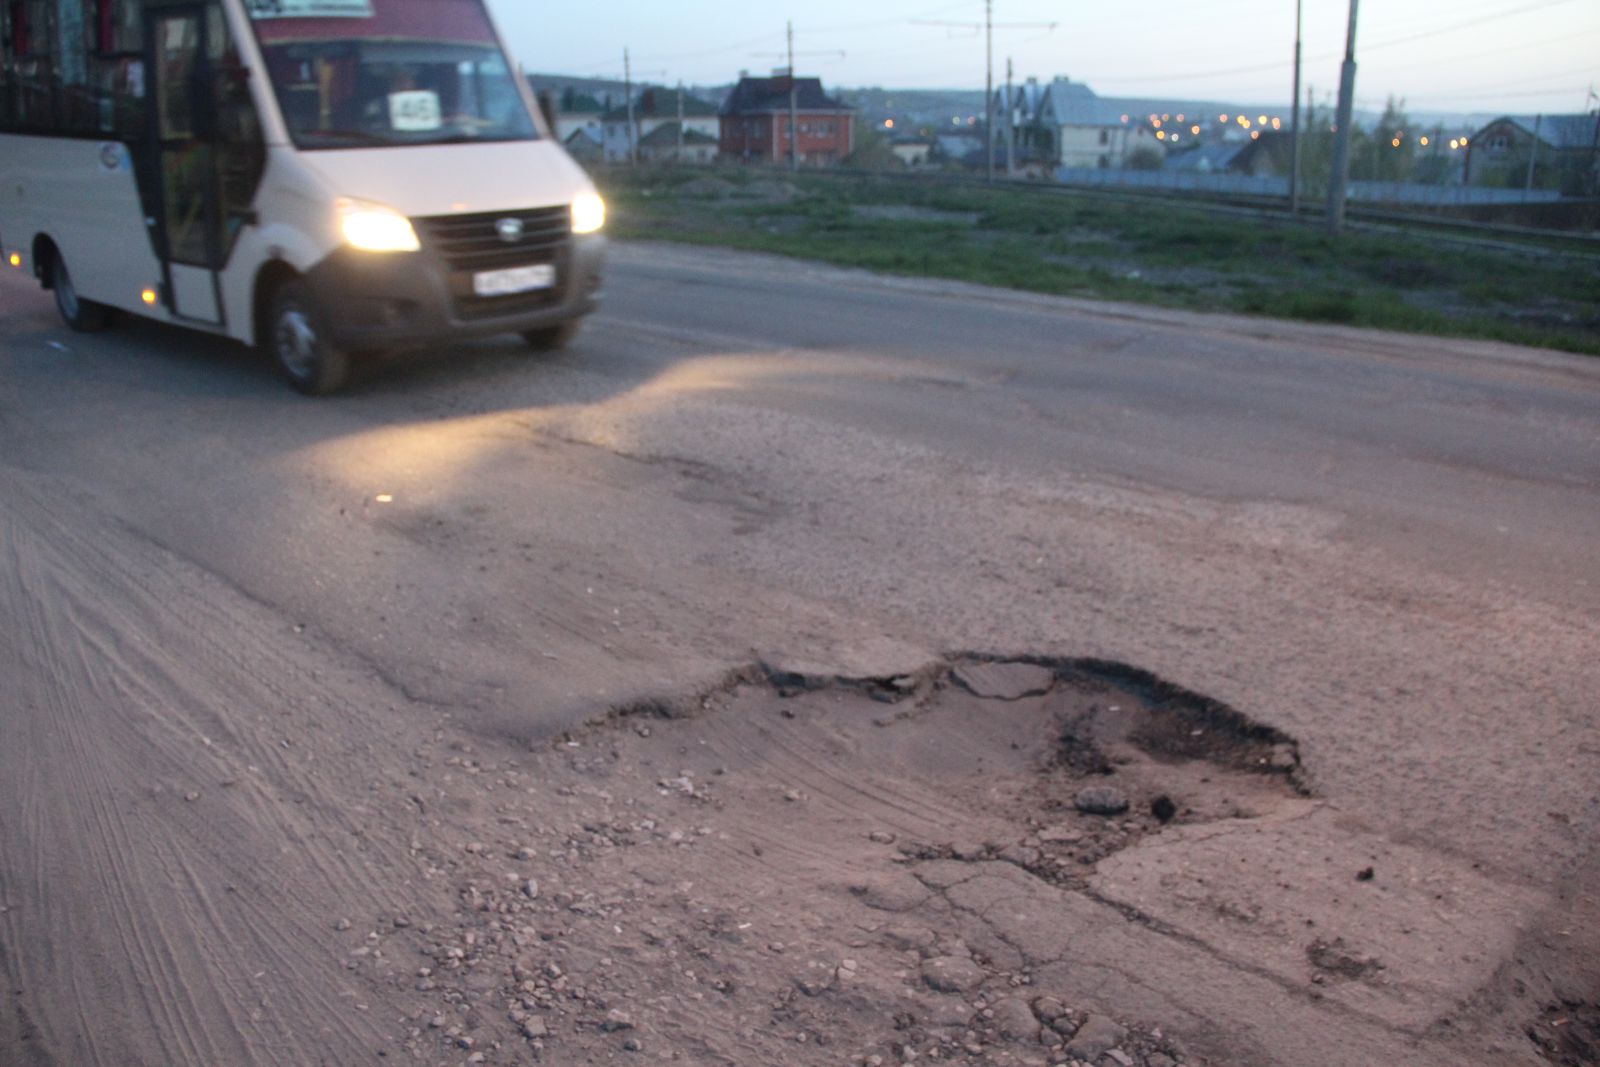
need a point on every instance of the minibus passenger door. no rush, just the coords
(183, 124)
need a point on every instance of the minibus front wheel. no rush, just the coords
(298, 339)
(84, 316)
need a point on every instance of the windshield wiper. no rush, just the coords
(364, 137)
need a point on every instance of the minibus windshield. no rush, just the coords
(377, 73)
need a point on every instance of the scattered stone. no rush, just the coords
(633, 1044)
(1060, 835)
(1163, 808)
(1366, 874)
(1097, 1036)
(617, 1019)
(1014, 1020)
(891, 892)
(952, 974)
(1101, 800)
(535, 1028)
(1048, 1009)
(969, 851)
(342, 925)
(882, 837)
(1121, 1057)
(530, 888)
(1021, 856)
(814, 984)
(1160, 1059)
(1284, 758)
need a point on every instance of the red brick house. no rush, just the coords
(755, 122)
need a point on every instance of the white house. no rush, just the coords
(653, 109)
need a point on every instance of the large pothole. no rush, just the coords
(763, 873)
(1070, 761)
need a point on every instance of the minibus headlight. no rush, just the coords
(375, 228)
(588, 213)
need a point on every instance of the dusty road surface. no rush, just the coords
(805, 668)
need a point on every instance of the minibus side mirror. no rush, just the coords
(547, 108)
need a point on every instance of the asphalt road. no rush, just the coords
(1383, 546)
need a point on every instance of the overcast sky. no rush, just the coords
(1472, 55)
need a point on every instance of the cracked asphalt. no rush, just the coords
(274, 665)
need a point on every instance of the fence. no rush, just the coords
(1245, 185)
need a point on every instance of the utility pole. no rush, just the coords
(1594, 148)
(1340, 178)
(988, 84)
(1533, 154)
(988, 27)
(680, 122)
(1011, 125)
(794, 108)
(1294, 120)
(627, 83)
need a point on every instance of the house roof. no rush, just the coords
(655, 103)
(759, 96)
(666, 136)
(1070, 103)
(576, 103)
(1025, 98)
(1557, 131)
(1208, 158)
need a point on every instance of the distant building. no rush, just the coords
(1563, 149)
(1066, 124)
(664, 145)
(1088, 131)
(912, 151)
(577, 111)
(957, 148)
(755, 122)
(654, 108)
(1256, 157)
(584, 146)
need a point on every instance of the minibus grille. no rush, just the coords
(470, 244)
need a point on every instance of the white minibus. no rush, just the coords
(325, 179)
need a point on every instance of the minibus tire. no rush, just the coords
(549, 338)
(84, 316)
(297, 339)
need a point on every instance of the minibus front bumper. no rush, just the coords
(385, 301)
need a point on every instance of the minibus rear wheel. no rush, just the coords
(82, 315)
(549, 338)
(298, 339)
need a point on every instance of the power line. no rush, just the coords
(1452, 60)
(1322, 57)
(885, 23)
(717, 50)
(1466, 25)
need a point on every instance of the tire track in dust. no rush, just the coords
(145, 771)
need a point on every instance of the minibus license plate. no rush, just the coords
(514, 280)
